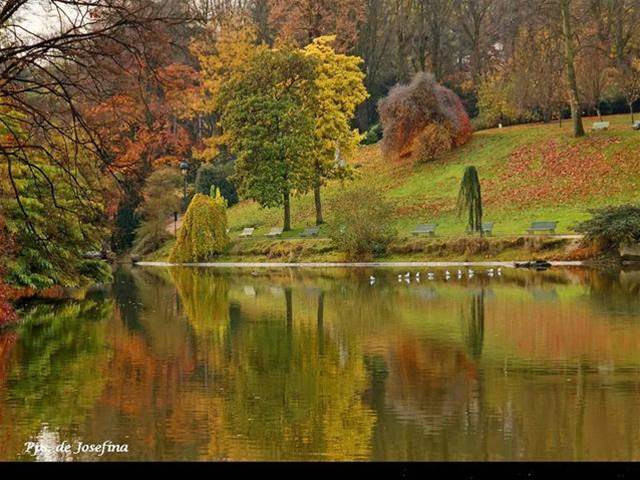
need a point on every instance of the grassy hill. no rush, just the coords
(528, 172)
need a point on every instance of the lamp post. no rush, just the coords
(184, 169)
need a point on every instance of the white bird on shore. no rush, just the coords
(499, 271)
(372, 278)
(407, 275)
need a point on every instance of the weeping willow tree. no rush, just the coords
(470, 200)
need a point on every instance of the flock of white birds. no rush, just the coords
(447, 275)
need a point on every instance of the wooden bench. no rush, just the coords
(487, 228)
(597, 126)
(247, 232)
(275, 232)
(311, 232)
(426, 229)
(542, 227)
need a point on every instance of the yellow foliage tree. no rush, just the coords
(222, 52)
(204, 231)
(340, 89)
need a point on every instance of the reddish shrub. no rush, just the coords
(7, 314)
(421, 120)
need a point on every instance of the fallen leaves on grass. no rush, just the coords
(554, 172)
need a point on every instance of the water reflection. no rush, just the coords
(200, 364)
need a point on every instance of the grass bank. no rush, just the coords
(405, 249)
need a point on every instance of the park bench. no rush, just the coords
(311, 232)
(426, 229)
(487, 228)
(247, 232)
(275, 232)
(597, 126)
(542, 227)
(636, 125)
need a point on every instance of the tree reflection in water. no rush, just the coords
(191, 364)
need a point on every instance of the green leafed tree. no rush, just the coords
(267, 118)
(203, 234)
(470, 200)
(51, 224)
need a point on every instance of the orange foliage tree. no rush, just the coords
(422, 120)
(304, 20)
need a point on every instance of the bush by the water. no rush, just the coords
(421, 120)
(611, 226)
(203, 234)
(361, 223)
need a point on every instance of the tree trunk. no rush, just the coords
(576, 116)
(599, 114)
(287, 211)
(631, 111)
(318, 202)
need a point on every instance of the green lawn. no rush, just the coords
(528, 172)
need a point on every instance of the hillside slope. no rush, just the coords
(528, 172)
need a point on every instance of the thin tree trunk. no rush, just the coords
(318, 202)
(287, 211)
(576, 116)
(633, 120)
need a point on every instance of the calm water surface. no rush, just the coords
(188, 364)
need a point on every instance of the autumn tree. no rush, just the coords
(594, 77)
(303, 20)
(629, 83)
(51, 78)
(498, 98)
(270, 128)
(161, 198)
(473, 19)
(339, 90)
(537, 71)
(568, 38)
(221, 50)
(422, 119)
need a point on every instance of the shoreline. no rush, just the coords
(350, 264)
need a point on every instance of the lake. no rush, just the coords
(325, 364)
